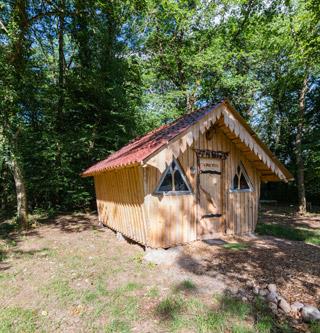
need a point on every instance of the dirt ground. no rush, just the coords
(70, 275)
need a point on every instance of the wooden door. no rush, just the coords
(210, 197)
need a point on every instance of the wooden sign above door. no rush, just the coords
(211, 153)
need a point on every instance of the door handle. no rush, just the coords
(212, 172)
(211, 215)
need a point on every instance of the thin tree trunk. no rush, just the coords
(22, 206)
(61, 63)
(299, 151)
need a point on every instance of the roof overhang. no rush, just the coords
(237, 130)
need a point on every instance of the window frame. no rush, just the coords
(244, 172)
(183, 176)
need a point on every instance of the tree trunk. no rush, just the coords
(299, 151)
(61, 63)
(22, 207)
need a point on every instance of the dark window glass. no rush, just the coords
(235, 182)
(173, 180)
(166, 184)
(243, 183)
(179, 183)
(239, 181)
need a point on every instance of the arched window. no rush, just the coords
(173, 180)
(241, 181)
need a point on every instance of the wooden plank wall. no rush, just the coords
(172, 219)
(120, 200)
(241, 208)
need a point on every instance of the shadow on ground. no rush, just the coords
(292, 266)
(224, 313)
(11, 234)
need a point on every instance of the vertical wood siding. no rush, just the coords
(172, 219)
(120, 197)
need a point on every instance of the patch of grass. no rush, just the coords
(211, 322)
(130, 286)
(236, 246)
(118, 326)
(17, 320)
(241, 328)
(124, 307)
(264, 324)
(170, 307)
(287, 232)
(153, 292)
(235, 307)
(60, 289)
(138, 258)
(315, 327)
(188, 285)
(90, 296)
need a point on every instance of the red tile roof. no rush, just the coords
(142, 147)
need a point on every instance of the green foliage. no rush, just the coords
(78, 80)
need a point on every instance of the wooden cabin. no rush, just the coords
(196, 178)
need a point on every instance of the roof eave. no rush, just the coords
(113, 168)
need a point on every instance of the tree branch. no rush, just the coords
(3, 27)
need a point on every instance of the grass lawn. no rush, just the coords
(68, 275)
(289, 225)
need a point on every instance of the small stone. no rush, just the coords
(272, 297)
(273, 307)
(296, 306)
(284, 305)
(244, 299)
(310, 313)
(263, 292)
(120, 236)
(255, 290)
(44, 313)
(272, 287)
(233, 290)
(241, 291)
(250, 284)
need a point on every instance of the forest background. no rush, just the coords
(79, 79)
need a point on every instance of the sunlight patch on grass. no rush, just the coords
(236, 246)
(287, 232)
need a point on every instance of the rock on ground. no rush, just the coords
(272, 287)
(161, 256)
(296, 306)
(272, 297)
(284, 305)
(310, 313)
